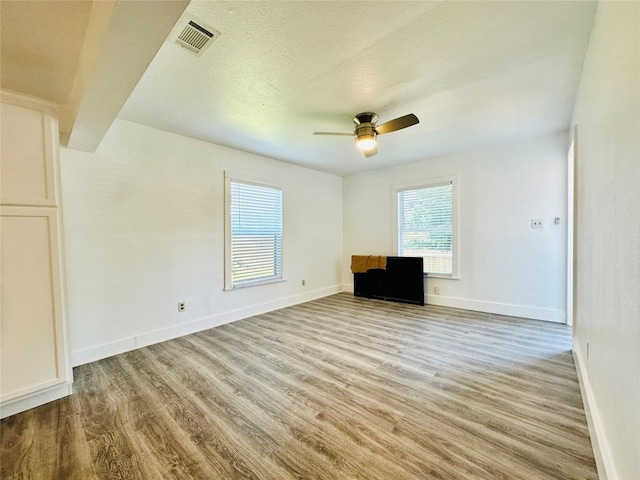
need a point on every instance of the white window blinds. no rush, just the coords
(256, 233)
(425, 226)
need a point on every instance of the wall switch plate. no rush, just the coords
(536, 223)
(181, 307)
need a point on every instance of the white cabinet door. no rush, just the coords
(32, 356)
(27, 155)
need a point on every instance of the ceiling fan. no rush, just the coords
(365, 130)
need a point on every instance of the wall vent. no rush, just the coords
(193, 35)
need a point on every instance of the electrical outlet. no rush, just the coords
(304, 282)
(181, 307)
(536, 223)
(436, 290)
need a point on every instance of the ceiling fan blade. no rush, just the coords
(334, 133)
(371, 152)
(397, 124)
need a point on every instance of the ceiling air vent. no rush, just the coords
(193, 35)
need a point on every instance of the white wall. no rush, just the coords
(505, 266)
(607, 262)
(144, 229)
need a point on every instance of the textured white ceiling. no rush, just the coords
(473, 72)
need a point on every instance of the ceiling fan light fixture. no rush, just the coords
(366, 142)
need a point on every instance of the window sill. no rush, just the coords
(444, 277)
(254, 284)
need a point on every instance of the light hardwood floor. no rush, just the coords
(337, 388)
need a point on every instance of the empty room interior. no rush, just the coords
(203, 276)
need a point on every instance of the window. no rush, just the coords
(427, 226)
(254, 233)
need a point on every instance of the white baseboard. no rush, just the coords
(599, 443)
(87, 355)
(524, 311)
(513, 310)
(104, 350)
(26, 402)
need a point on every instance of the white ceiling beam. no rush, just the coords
(136, 30)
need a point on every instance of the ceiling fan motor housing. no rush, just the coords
(366, 117)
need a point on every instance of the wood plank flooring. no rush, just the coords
(337, 388)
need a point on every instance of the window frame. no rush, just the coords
(230, 177)
(426, 183)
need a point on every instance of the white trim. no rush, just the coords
(570, 259)
(425, 182)
(104, 350)
(255, 283)
(252, 179)
(228, 284)
(27, 101)
(601, 451)
(510, 309)
(441, 276)
(30, 390)
(26, 402)
(87, 355)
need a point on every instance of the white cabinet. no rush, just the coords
(27, 149)
(34, 361)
